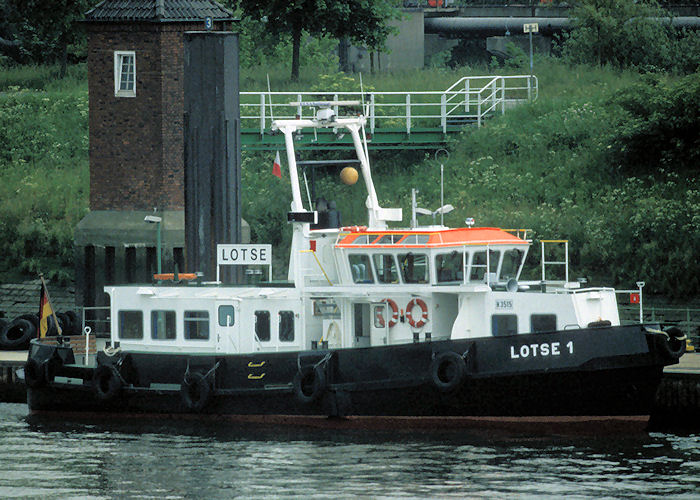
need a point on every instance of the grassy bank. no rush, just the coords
(553, 166)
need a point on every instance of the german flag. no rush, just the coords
(44, 312)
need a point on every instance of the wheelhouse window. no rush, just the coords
(449, 267)
(494, 257)
(125, 73)
(504, 324)
(361, 268)
(197, 325)
(543, 323)
(414, 267)
(478, 267)
(416, 239)
(389, 239)
(262, 325)
(131, 325)
(511, 264)
(385, 264)
(226, 315)
(163, 325)
(286, 330)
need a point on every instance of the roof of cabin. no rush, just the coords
(430, 238)
(158, 11)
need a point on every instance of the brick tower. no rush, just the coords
(136, 97)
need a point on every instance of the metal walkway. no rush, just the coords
(395, 120)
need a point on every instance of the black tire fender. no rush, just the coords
(309, 383)
(106, 382)
(195, 391)
(447, 371)
(17, 334)
(34, 373)
(674, 346)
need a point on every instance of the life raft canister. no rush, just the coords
(394, 314)
(417, 323)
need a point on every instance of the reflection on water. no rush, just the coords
(40, 457)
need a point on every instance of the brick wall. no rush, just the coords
(136, 143)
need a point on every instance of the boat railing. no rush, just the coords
(468, 101)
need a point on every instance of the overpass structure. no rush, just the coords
(395, 120)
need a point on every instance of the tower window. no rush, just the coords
(125, 74)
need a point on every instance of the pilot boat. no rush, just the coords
(421, 325)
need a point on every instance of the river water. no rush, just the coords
(46, 458)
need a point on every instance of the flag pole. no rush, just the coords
(48, 299)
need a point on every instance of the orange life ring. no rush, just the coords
(394, 314)
(409, 312)
(354, 229)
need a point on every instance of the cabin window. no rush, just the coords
(504, 324)
(226, 315)
(262, 325)
(414, 267)
(385, 264)
(163, 325)
(449, 267)
(543, 323)
(511, 264)
(131, 325)
(197, 325)
(388, 239)
(361, 268)
(125, 73)
(478, 267)
(286, 331)
(416, 239)
(363, 239)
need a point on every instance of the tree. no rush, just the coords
(33, 33)
(361, 21)
(620, 33)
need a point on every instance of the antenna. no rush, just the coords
(308, 195)
(442, 184)
(269, 96)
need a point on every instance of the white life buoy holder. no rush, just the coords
(409, 313)
(394, 314)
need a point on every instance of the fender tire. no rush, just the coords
(17, 334)
(34, 374)
(106, 382)
(309, 384)
(33, 318)
(447, 371)
(673, 347)
(195, 392)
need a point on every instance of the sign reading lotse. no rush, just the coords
(243, 254)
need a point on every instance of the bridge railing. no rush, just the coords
(468, 101)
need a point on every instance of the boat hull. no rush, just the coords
(612, 371)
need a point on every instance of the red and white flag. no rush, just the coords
(276, 167)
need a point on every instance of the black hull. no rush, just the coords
(611, 371)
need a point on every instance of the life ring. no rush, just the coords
(394, 314)
(309, 383)
(195, 391)
(354, 229)
(34, 373)
(106, 382)
(409, 312)
(447, 371)
(672, 344)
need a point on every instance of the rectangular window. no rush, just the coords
(386, 268)
(286, 332)
(449, 267)
(131, 325)
(504, 324)
(478, 268)
(361, 268)
(414, 267)
(163, 325)
(262, 325)
(197, 325)
(124, 73)
(543, 323)
(226, 316)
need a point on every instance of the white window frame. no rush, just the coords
(119, 55)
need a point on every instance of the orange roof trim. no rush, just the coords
(431, 239)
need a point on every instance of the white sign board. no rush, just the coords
(243, 254)
(530, 28)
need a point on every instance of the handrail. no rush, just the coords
(470, 99)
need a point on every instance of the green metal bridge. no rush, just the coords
(395, 120)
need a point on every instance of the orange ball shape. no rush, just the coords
(349, 176)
